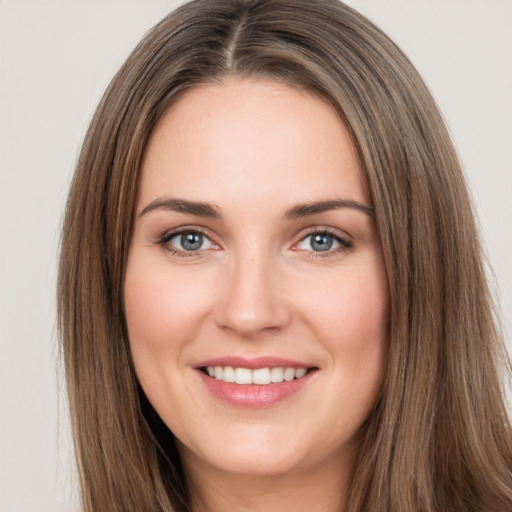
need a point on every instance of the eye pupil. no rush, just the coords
(191, 241)
(321, 242)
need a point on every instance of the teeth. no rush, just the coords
(243, 376)
(261, 376)
(289, 374)
(300, 373)
(229, 374)
(276, 375)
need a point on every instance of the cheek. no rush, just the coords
(164, 313)
(359, 348)
(350, 317)
(163, 310)
(352, 311)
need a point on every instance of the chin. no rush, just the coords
(254, 453)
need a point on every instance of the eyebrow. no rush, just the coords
(181, 205)
(212, 211)
(306, 209)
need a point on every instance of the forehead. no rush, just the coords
(258, 140)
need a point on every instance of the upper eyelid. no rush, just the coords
(171, 233)
(334, 232)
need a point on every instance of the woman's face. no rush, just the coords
(255, 258)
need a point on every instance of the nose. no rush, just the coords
(253, 300)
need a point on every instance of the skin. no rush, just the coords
(254, 150)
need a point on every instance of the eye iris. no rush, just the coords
(191, 241)
(321, 242)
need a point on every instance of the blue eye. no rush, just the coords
(323, 242)
(318, 242)
(190, 241)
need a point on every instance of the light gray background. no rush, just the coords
(56, 58)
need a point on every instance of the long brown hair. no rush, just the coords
(439, 437)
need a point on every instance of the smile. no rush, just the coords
(260, 376)
(254, 382)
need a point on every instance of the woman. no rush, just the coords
(271, 287)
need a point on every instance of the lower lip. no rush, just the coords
(254, 395)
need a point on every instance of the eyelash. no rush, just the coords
(164, 240)
(345, 244)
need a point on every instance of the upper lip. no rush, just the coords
(253, 363)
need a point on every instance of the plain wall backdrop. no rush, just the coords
(57, 57)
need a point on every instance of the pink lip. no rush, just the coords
(253, 395)
(252, 363)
